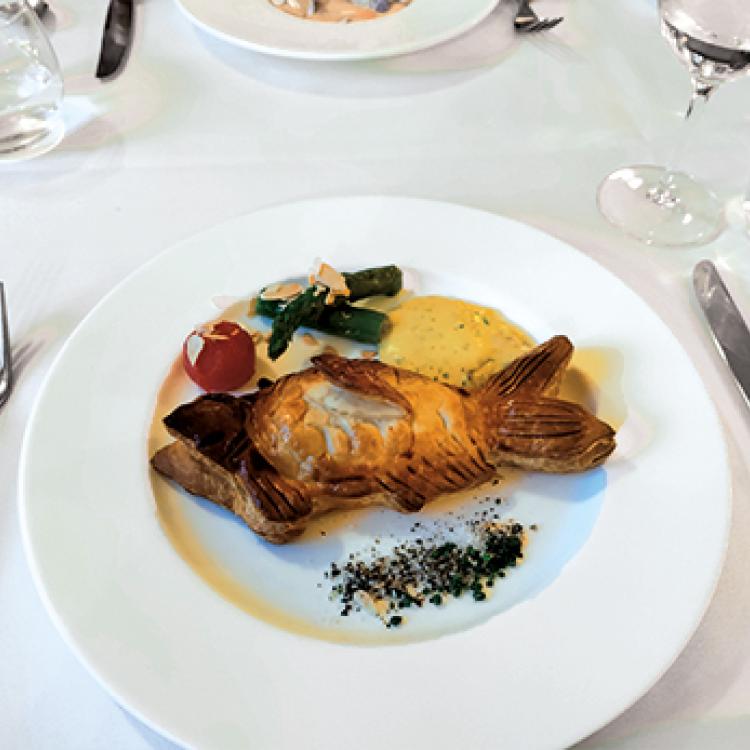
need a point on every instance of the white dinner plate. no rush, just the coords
(260, 26)
(615, 581)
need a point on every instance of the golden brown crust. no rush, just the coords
(350, 433)
(538, 371)
(251, 500)
(366, 376)
(547, 434)
(203, 477)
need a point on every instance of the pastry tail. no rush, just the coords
(536, 372)
(547, 434)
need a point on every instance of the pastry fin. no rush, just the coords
(536, 372)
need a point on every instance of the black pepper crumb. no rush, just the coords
(429, 569)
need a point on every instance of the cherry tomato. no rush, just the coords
(219, 356)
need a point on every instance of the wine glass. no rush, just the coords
(660, 205)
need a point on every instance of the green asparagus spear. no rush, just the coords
(309, 305)
(309, 309)
(356, 323)
(385, 280)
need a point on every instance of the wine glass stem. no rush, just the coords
(665, 194)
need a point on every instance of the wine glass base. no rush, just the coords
(31, 142)
(632, 199)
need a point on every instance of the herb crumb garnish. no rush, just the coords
(430, 570)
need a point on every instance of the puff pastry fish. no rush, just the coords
(348, 433)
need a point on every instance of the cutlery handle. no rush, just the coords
(524, 15)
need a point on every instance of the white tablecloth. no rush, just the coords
(195, 132)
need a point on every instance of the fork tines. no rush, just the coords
(527, 21)
(530, 24)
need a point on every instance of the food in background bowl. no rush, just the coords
(340, 11)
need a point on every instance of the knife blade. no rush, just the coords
(727, 326)
(118, 34)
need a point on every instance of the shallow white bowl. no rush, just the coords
(258, 25)
(572, 653)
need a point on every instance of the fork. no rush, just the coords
(6, 373)
(527, 21)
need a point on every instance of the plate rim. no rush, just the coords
(28, 546)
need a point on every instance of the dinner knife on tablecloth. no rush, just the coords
(728, 328)
(118, 34)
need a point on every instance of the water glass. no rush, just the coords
(31, 87)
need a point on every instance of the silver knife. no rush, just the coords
(729, 330)
(118, 34)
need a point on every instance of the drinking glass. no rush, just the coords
(660, 205)
(30, 85)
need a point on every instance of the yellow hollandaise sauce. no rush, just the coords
(451, 341)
